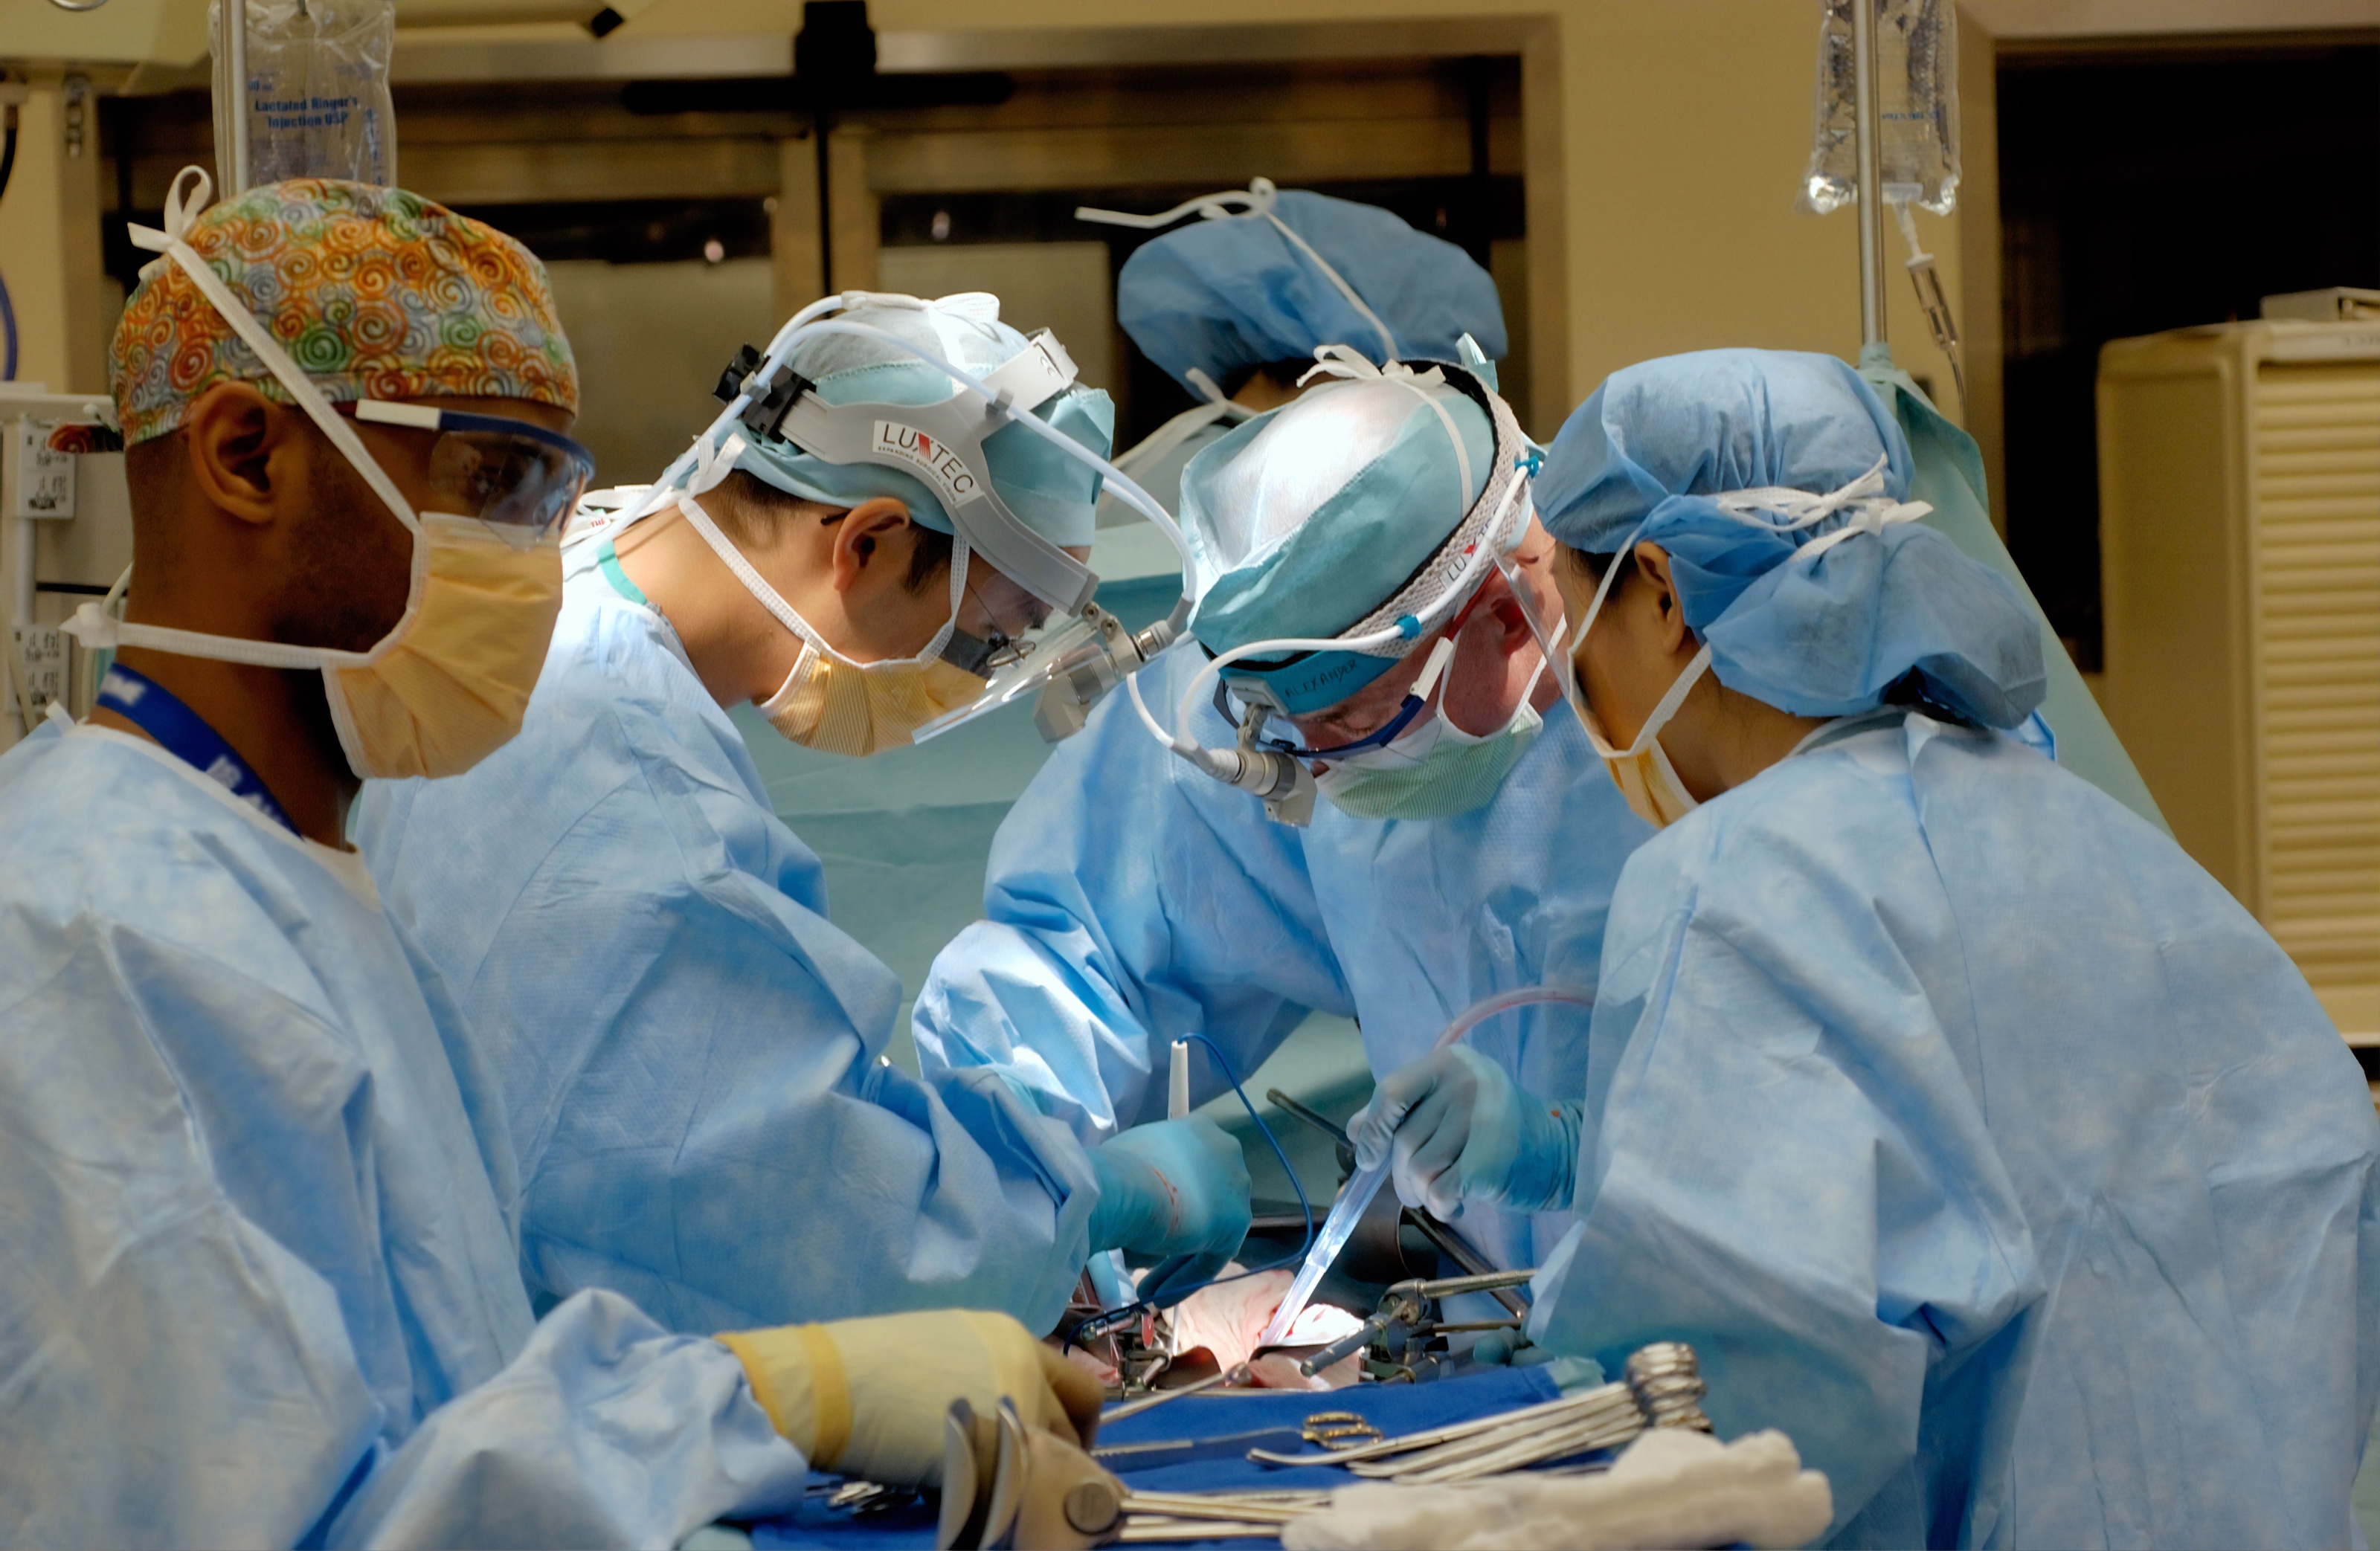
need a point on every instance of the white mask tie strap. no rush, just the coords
(1667, 705)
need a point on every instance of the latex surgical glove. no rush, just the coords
(865, 1397)
(1456, 1129)
(1173, 1188)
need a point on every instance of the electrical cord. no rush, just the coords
(1092, 1327)
(8, 308)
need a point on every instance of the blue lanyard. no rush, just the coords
(147, 704)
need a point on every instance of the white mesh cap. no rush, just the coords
(1307, 519)
(1304, 455)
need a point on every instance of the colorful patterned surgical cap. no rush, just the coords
(376, 292)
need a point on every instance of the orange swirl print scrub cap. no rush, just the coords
(376, 293)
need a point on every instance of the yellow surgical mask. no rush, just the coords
(1642, 770)
(450, 684)
(835, 705)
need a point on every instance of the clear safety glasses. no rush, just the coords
(510, 474)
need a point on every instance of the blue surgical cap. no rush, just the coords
(1305, 519)
(1052, 493)
(1823, 638)
(1233, 292)
(1706, 423)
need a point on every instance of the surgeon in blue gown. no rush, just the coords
(691, 1053)
(1132, 898)
(1969, 1130)
(259, 1276)
(1232, 306)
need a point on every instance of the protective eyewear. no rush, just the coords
(1387, 734)
(1425, 684)
(505, 472)
(985, 656)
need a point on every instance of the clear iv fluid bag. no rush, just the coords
(1917, 106)
(318, 99)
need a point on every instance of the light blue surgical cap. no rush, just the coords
(1052, 492)
(1823, 638)
(1232, 292)
(1308, 519)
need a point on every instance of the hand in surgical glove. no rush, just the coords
(1458, 1130)
(1173, 1188)
(867, 1397)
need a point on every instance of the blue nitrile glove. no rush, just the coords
(1173, 1187)
(1459, 1130)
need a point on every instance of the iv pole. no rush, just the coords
(235, 17)
(1871, 173)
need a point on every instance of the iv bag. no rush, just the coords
(1917, 106)
(318, 102)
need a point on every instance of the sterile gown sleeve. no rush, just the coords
(1130, 900)
(690, 1052)
(606, 1430)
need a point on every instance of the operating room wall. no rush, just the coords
(1674, 133)
(49, 244)
(650, 341)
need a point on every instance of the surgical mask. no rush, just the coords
(836, 705)
(1436, 772)
(829, 702)
(1642, 770)
(450, 683)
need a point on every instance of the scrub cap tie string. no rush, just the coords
(1256, 199)
(1865, 507)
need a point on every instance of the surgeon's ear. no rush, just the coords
(1653, 564)
(859, 538)
(1511, 626)
(237, 442)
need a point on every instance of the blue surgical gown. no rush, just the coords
(1977, 1139)
(1132, 900)
(689, 1051)
(257, 1283)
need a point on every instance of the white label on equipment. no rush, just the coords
(45, 650)
(943, 468)
(45, 479)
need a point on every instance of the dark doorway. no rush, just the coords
(2148, 190)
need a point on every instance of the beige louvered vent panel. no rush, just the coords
(2317, 499)
(2240, 548)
